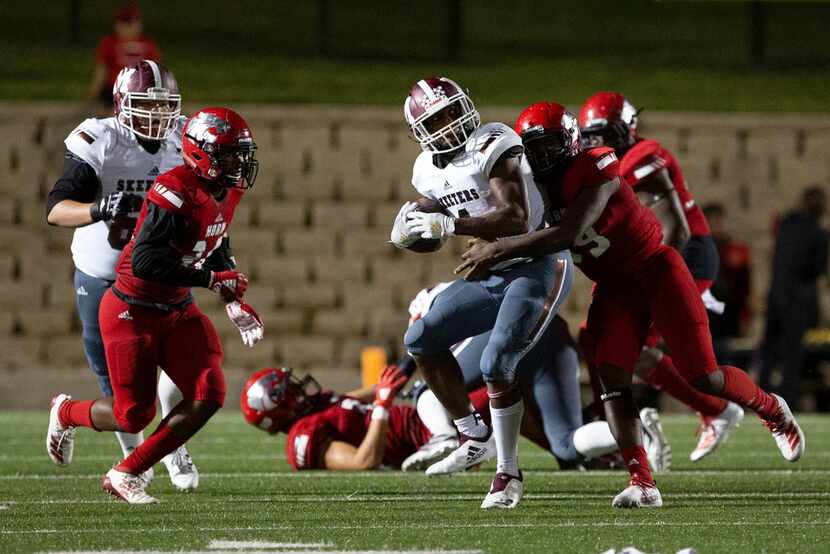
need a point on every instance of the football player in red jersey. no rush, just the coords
(348, 432)
(617, 243)
(148, 317)
(609, 119)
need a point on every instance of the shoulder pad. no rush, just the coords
(422, 171)
(642, 160)
(490, 142)
(91, 140)
(169, 192)
(304, 438)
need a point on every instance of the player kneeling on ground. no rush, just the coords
(345, 432)
(148, 317)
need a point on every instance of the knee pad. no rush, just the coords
(499, 364)
(420, 339)
(135, 418)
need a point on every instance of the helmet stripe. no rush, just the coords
(427, 89)
(156, 73)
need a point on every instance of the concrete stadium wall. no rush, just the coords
(313, 232)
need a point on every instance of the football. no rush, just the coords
(424, 246)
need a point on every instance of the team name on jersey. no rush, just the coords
(460, 197)
(134, 185)
(216, 229)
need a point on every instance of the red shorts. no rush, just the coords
(653, 338)
(621, 315)
(138, 340)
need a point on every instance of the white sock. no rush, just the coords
(506, 425)
(169, 394)
(129, 441)
(594, 439)
(433, 415)
(472, 425)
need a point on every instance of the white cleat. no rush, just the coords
(471, 452)
(505, 492)
(60, 440)
(717, 430)
(638, 495)
(657, 447)
(435, 449)
(787, 433)
(183, 474)
(148, 477)
(127, 487)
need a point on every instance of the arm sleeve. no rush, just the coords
(154, 257)
(78, 182)
(222, 258)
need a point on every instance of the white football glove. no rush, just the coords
(245, 318)
(431, 226)
(401, 235)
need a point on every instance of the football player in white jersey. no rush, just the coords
(110, 165)
(478, 175)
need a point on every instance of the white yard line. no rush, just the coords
(418, 526)
(262, 552)
(398, 474)
(248, 545)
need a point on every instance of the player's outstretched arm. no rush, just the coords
(584, 212)
(657, 192)
(510, 217)
(73, 195)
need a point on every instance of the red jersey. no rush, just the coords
(182, 193)
(626, 233)
(116, 53)
(347, 420)
(647, 157)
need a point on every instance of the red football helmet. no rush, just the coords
(550, 135)
(608, 119)
(440, 114)
(273, 399)
(147, 100)
(218, 146)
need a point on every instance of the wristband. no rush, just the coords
(95, 212)
(381, 413)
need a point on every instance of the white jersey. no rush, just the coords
(463, 186)
(121, 164)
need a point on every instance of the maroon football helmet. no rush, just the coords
(147, 100)
(218, 146)
(440, 114)
(608, 119)
(273, 399)
(550, 135)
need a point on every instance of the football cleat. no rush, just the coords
(505, 492)
(127, 487)
(657, 447)
(183, 473)
(435, 449)
(60, 440)
(471, 452)
(148, 477)
(788, 435)
(716, 430)
(638, 495)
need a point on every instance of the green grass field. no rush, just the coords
(744, 499)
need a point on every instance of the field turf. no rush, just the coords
(743, 499)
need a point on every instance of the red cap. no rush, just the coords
(128, 12)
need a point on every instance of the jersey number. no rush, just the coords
(591, 236)
(199, 256)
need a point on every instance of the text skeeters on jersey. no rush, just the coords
(462, 187)
(121, 164)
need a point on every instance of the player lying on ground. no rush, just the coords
(639, 281)
(327, 430)
(110, 165)
(549, 378)
(148, 317)
(609, 119)
(478, 175)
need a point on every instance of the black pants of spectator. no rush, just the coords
(788, 318)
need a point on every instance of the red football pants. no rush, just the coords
(138, 340)
(664, 293)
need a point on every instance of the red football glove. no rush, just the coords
(245, 318)
(392, 380)
(231, 285)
